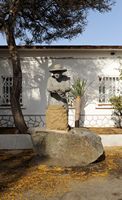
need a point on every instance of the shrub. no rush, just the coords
(116, 102)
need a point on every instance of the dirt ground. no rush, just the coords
(106, 131)
(24, 177)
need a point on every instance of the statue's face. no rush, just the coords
(57, 74)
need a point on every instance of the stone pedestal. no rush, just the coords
(56, 118)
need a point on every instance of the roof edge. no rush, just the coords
(87, 47)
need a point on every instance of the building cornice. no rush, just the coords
(66, 47)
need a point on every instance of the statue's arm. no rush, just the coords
(66, 86)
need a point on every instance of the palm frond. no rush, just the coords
(78, 87)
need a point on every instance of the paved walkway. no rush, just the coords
(99, 188)
(96, 189)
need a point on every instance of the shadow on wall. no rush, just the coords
(35, 75)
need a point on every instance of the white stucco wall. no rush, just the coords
(85, 64)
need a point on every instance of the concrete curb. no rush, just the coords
(111, 140)
(23, 141)
(12, 141)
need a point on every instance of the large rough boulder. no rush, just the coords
(68, 149)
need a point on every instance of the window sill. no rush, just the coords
(104, 106)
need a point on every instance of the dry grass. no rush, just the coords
(21, 173)
(99, 130)
(106, 131)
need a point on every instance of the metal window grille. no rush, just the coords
(108, 87)
(7, 83)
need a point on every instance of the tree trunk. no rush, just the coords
(17, 81)
(77, 110)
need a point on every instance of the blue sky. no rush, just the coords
(102, 29)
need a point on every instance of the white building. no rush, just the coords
(99, 65)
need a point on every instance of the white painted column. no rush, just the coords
(71, 117)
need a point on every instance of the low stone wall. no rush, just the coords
(39, 120)
(111, 140)
(31, 120)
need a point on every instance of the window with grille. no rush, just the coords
(7, 82)
(108, 87)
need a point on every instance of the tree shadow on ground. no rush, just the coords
(13, 166)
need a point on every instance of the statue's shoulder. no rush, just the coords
(50, 79)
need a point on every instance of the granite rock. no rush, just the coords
(67, 149)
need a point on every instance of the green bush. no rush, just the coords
(116, 102)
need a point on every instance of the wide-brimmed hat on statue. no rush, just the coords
(57, 67)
